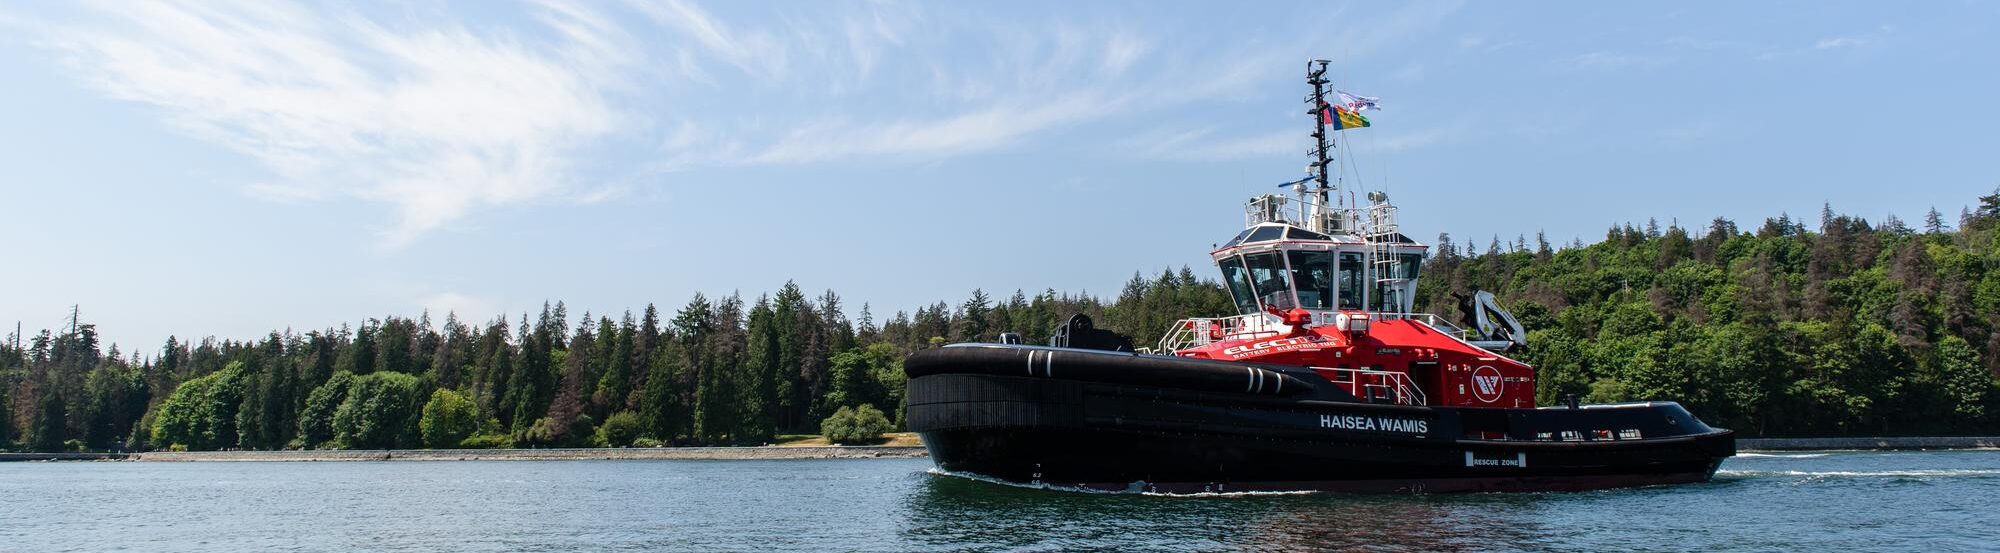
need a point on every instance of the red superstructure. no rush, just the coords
(1442, 369)
(1331, 287)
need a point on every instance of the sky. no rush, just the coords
(232, 168)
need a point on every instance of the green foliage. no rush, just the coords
(550, 432)
(115, 397)
(1608, 390)
(870, 375)
(316, 420)
(484, 440)
(855, 425)
(620, 429)
(663, 408)
(201, 413)
(51, 418)
(380, 412)
(1966, 385)
(1850, 330)
(448, 419)
(6, 415)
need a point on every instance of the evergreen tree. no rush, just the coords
(50, 423)
(359, 356)
(645, 342)
(972, 321)
(664, 408)
(393, 342)
(761, 366)
(6, 415)
(790, 382)
(614, 389)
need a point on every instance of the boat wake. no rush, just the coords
(1135, 489)
(1915, 473)
(1780, 456)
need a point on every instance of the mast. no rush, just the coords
(1322, 155)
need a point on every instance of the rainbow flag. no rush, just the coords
(1340, 118)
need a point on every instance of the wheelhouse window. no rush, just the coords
(1350, 281)
(1267, 272)
(1265, 233)
(1238, 281)
(1313, 273)
(1303, 234)
(1411, 262)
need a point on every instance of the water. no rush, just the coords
(1850, 501)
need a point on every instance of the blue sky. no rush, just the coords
(230, 168)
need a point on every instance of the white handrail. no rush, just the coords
(1202, 331)
(1398, 384)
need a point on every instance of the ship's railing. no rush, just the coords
(1431, 320)
(1372, 384)
(1277, 208)
(1197, 332)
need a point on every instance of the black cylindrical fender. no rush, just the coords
(1104, 367)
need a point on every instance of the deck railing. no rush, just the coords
(1197, 332)
(1372, 384)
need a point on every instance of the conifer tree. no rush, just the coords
(50, 422)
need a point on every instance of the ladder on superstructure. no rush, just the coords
(1383, 260)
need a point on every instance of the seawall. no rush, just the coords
(666, 453)
(661, 453)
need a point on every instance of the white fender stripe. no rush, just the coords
(1250, 379)
(1049, 365)
(1031, 362)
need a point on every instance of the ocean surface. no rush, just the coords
(1846, 501)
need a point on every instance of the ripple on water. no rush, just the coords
(1789, 501)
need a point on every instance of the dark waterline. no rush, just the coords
(1926, 501)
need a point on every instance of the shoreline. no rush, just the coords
(752, 453)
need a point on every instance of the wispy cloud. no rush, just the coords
(1831, 44)
(1202, 145)
(438, 119)
(433, 119)
(1122, 49)
(977, 130)
(1607, 60)
(754, 52)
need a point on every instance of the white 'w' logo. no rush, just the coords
(1487, 383)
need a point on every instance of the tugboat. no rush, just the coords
(1325, 380)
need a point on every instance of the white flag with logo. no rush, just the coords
(1356, 102)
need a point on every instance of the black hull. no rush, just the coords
(1111, 435)
(1167, 463)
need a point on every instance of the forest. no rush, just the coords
(1844, 328)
